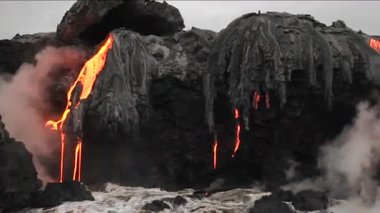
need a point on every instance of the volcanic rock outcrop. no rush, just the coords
(295, 83)
(18, 176)
(22, 49)
(262, 52)
(93, 20)
(120, 101)
(164, 96)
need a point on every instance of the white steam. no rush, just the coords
(351, 162)
(350, 165)
(23, 101)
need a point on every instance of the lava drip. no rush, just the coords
(83, 84)
(256, 100)
(374, 44)
(78, 161)
(215, 153)
(237, 137)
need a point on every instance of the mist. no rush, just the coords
(24, 103)
(351, 162)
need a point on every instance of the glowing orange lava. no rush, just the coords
(215, 153)
(237, 139)
(375, 44)
(86, 79)
(78, 161)
(256, 100)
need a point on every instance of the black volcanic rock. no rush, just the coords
(18, 176)
(313, 75)
(120, 101)
(310, 201)
(174, 138)
(156, 206)
(22, 49)
(55, 194)
(93, 20)
(262, 53)
(144, 122)
(270, 204)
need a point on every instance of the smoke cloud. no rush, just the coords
(24, 103)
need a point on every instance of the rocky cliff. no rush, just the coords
(165, 94)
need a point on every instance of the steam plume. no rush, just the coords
(351, 162)
(23, 102)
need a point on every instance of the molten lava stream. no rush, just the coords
(78, 161)
(215, 153)
(374, 44)
(237, 139)
(86, 79)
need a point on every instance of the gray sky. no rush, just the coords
(43, 16)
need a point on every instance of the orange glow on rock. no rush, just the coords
(215, 153)
(86, 79)
(267, 100)
(374, 44)
(237, 137)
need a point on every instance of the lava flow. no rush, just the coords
(86, 80)
(375, 44)
(256, 100)
(215, 153)
(237, 139)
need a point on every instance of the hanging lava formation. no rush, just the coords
(83, 84)
(375, 44)
(215, 153)
(237, 139)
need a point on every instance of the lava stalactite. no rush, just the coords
(256, 100)
(215, 153)
(375, 44)
(237, 134)
(267, 100)
(86, 79)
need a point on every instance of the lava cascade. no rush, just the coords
(375, 44)
(85, 80)
(237, 137)
(215, 153)
(256, 98)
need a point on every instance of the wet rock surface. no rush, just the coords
(310, 201)
(270, 204)
(18, 176)
(156, 206)
(55, 194)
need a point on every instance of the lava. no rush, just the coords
(375, 44)
(78, 161)
(256, 100)
(215, 153)
(85, 81)
(237, 139)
